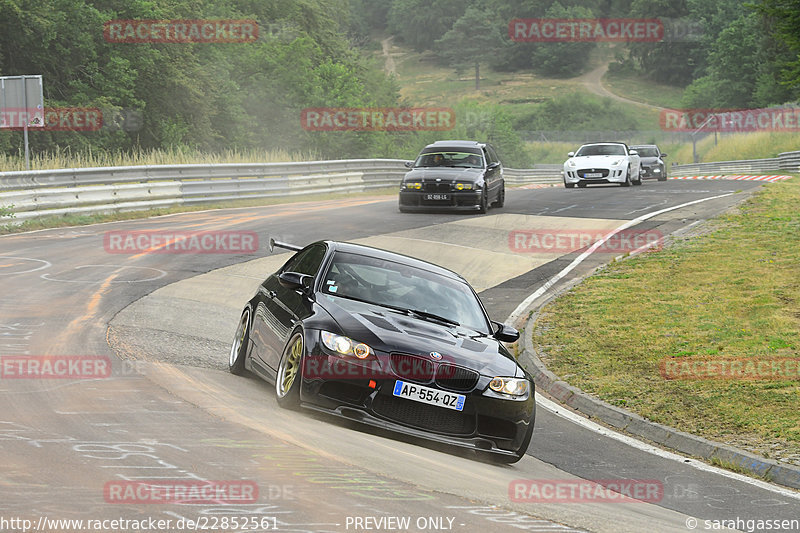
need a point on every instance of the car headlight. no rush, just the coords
(616, 162)
(512, 386)
(572, 163)
(345, 345)
(465, 186)
(415, 185)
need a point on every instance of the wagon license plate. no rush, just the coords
(593, 175)
(438, 197)
(420, 393)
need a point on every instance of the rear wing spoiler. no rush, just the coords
(277, 244)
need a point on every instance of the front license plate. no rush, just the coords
(437, 196)
(593, 175)
(420, 393)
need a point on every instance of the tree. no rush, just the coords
(474, 38)
(784, 18)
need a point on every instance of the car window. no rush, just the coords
(394, 284)
(493, 154)
(449, 159)
(646, 151)
(306, 261)
(601, 149)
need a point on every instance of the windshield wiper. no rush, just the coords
(432, 316)
(404, 310)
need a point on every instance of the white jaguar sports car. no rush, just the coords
(604, 162)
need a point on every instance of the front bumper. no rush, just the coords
(456, 200)
(488, 422)
(653, 172)
(608, 175)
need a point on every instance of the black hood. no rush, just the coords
(444, 173)
(386, 330)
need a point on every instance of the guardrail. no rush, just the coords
(786, 162)
(90, 190)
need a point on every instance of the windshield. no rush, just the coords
(646, 151)
(601, 149)
(396, 285)
(449, 159)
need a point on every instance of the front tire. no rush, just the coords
(639, 178)
(240, 342)
(501, 197)
(484, 206)
(568, 185)
(627, 182)
(287, 381)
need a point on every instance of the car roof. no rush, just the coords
(604, 142)
(369, 251)
(457, 144)
(644, 146)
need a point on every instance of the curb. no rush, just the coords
(623, 420)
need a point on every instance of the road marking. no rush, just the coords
(743, 177)
(563, 412)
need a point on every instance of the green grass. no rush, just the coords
(732, 292)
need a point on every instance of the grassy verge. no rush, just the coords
(68, 159)
(731, 292)
(83, 220)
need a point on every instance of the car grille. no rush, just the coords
(412, 368)
(583, 171)
(445, 375)
(423, 416)
(436, 187)
(456, 378)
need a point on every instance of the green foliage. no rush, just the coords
(419, 23)
(563, 60)
(474, 38)
(577, 111)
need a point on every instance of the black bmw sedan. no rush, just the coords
(454, 175)
(390, 341)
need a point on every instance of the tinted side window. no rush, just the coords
(493, 154)
(306, 261)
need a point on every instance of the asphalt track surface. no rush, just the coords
(170, 411)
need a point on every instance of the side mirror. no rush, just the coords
(293, 280)
(634, 152)
(505, 333)
(663, 156)
(571, 154)
(493, 166)
(408, 164)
